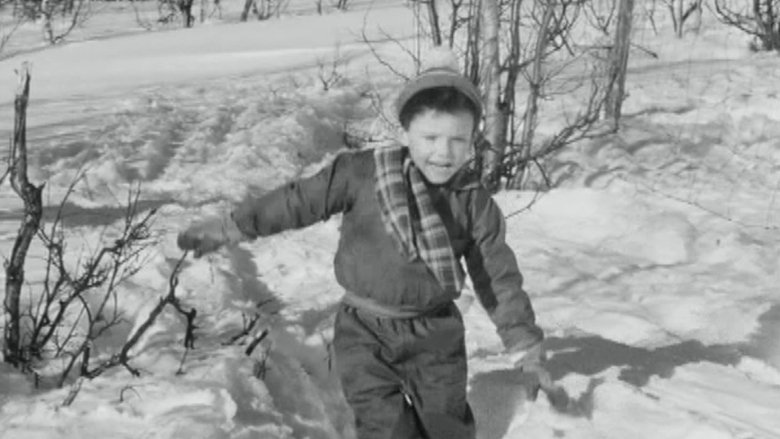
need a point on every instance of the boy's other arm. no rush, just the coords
(497, 280)
(299, 203)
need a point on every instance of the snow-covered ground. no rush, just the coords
(653, 264)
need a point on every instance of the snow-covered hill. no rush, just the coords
(653, 265)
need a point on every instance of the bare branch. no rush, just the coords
(381, 60)
(256, 342)
(74, 391)
(761, 21)
(33, 211)
(122, 357)
(249, 324)
(106, 270)
(585, 125)
(708, 210)
(141, 21)
(124, 389)
(79, 11)
(5, 174)
(601, 20)
(537, 196)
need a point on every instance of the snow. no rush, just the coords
(652, 264)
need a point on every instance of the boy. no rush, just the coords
(410, 213)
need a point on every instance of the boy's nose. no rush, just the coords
(443, 147)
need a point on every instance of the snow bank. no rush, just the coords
(652, 265)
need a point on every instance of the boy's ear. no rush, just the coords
(403, 136)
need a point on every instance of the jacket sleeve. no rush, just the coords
(496, 277)
(299, 203)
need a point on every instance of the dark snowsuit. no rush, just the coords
(399, 338)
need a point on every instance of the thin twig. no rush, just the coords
(74, 391)
(5, 174)
(122, 393)
(255, 342)
(248, 326)
(707, 209)
(527, 207)
(122, 357)
(33, 212)
(376, 55)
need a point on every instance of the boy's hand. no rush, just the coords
(531, 362)
(208, 235)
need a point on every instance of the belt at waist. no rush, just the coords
(390, 312)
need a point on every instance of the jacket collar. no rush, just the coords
(467, 178)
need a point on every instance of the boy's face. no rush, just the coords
(440, 143)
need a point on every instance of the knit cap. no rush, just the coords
(441, 73)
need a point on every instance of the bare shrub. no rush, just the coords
(682, 11)
(61, 17)
(8, 28)
(56, 331)
(263, 9)
(758, 18)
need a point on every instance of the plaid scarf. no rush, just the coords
(410, 218)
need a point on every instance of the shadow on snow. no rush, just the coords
(495, 395)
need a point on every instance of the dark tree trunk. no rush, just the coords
(495, 116)
(185, 6)
(433, 18)
(33, 210)
(619, 61)
(247, 6)
(520, 174)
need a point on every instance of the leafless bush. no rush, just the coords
(168, 14)
(601, 14)
(758, 18)
(251, 336)
(341, 5)
(168, 11)
(7, 29)
(331, 72)
(123, 356)
(216, 9)
(508, 47)
(414, 55)
(58, 18)
(682, 11)
(140, 19)
(534, 48)
(57, 330)
(33, 211)
(185, 8)
(263, 9)
(520, 161)
(172, 12)
(511, 45)
(80, 304)
(61, 17)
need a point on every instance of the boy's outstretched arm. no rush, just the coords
(293, 205)
(496, 277)
(299, 203)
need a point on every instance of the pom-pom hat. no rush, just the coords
(440, 76)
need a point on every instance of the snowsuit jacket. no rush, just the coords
(369, 265)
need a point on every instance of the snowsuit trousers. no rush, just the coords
(404, 378)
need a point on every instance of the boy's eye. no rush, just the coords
(458, 141)
(430, 138)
